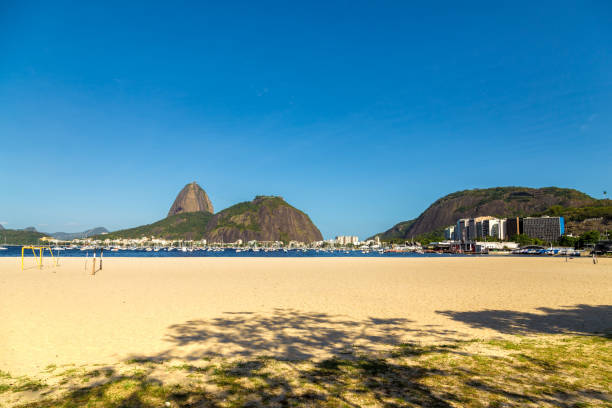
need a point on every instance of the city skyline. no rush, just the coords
(359, 115)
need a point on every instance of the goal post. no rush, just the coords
(37, 257)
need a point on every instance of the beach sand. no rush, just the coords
(297, 308)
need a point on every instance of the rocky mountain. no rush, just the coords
(266, 218)
(1, 227)
(68, 236)
(192, 198)
(498, 201)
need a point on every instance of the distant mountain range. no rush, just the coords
(69, 236)
(29, 235)
(581, 210)
(265, 218)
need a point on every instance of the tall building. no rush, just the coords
(461, 232)
(502, 229)
(490, 228)
(495, 228)
(472, 229)
(548, 229)
(514, 226)
(479, 227)
(449, 233)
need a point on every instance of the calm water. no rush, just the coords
(16, 251)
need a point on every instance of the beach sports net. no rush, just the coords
(38, 257)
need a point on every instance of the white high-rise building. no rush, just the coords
(471, 229)
(347, 239)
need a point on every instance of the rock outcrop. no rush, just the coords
(499, 201)
(266, 218)
(192, 198)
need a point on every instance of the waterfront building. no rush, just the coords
(449, 233)
(502, 229)
(347, 239)
(461, 232)
(488, 228)
(496, 229)
(514, 226)
(492, 227)
(479, 227)
(548, 229)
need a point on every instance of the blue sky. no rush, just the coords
(359, 113)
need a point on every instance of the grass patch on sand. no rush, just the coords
(566, 371)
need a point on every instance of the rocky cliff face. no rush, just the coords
(192, 198)
(265, 218)
(499, 202)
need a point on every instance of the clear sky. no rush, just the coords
(359, 113)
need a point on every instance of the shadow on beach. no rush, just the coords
(288, 334)
(277, 363)
(578, 319)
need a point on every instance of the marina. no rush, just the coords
(257, 252)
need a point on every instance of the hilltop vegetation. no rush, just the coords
(601, 209)
(20, 237)
(189, 226)
(398, 232)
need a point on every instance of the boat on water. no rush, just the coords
(3, 248)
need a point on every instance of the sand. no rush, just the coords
(189, 308)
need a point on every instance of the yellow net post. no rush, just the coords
(38, 258)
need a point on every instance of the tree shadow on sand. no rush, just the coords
(579, 319)
(277, 363)
(288, 334)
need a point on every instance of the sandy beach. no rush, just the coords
(288, 308)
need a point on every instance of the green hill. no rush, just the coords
(189, 226)
(20, 237)
(501, 202)
(398, 232)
